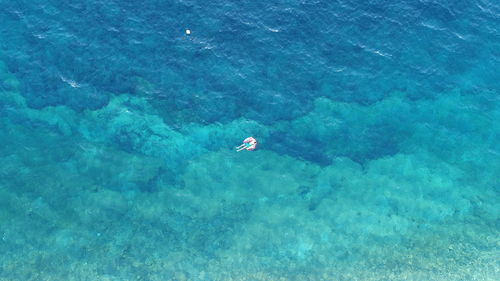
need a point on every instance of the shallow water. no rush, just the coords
(377, 123)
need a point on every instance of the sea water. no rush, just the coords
(377, 122)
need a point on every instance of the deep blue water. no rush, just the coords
(377, 127)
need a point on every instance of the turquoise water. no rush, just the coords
(377, 125)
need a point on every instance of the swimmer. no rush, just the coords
(248, 144)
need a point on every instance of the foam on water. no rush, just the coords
(377, 124)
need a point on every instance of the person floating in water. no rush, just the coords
(248, 144)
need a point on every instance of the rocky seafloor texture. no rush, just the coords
(117, 194)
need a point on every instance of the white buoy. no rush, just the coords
(188, 31)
